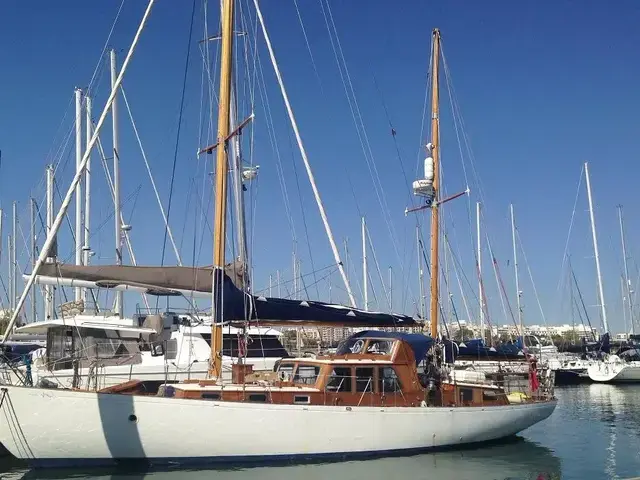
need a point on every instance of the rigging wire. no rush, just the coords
(504, 299)
(252, 81)
(440, 306)
(361, 132)
(304, 218)
(177, 143)
(212, 99)
(456, 273)
(175, 153)
(271, 131)
(321, 86)
(306, 41)
(412, 199)
(370, 241)
(303, 154)
(56, 158)
(132, 197)
(463, 139)
(571, 223)
(165, 217)
(387, 293)
(533, 283)
(584, 307)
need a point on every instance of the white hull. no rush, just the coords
(62, 427)
(615, 372)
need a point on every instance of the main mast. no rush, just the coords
(595, 249)
(515, 268)
(479, 263)
(435, 154)
(627, 283)
(220, 219)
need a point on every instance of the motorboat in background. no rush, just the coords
(572, 369)
(92, 351)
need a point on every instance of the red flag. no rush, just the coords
(533, 377)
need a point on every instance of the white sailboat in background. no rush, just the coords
(624, 367)
(573, 369)
(612, 368)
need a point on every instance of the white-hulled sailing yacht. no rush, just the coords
(367, 399)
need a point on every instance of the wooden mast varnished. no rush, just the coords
(219, 226)
(435, 154)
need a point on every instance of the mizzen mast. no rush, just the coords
(434, 148)
(428, 187)
(222, 167)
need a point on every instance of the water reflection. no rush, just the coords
(515, 458)
(595, 430)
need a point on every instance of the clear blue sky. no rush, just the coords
(542, 87)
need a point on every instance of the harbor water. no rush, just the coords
(593, 434)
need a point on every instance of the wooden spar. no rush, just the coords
(217, 37)
(219, 226)
(236, 131)
(440, 202)
(435, 154)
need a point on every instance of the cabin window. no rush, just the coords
(307, 374)
(466, 395)
(258, 346)
(171, 351)
(211, 396)
(60, 348)
(301, 399)
(65, 343)
(157, 349)
(350, 345)
(489, 396)
(340, 380)
(106, 344)
(258, 397)
(364, 379)
(380, 347)
(388, 381)
(143, 346)
(285, 372)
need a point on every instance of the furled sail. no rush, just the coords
(196, 279)
(237, 305)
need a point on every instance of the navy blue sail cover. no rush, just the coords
(238, 305)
